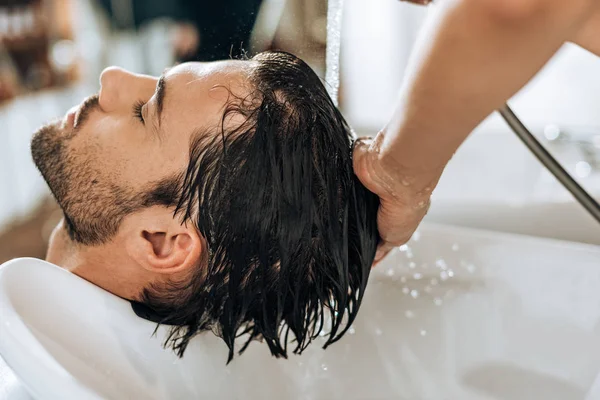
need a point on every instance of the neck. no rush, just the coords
(105, 266)
(62, 251)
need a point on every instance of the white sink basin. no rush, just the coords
(495, 183)
(459, 314)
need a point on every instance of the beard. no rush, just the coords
(48, 150)
(93, 205)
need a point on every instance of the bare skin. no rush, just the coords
(472, 57)
(118, 150)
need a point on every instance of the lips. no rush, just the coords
(70, 118)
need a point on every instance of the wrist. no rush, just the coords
(410, 184)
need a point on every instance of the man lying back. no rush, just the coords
(219, 197)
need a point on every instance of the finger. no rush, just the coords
(397, 224)
(359, 151)
(397, 232)
(382, 251)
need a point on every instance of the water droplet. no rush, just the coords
(455, 247)
(443, 275)
(450, 273)
(405, 182)
(409, 253)
(409, 314)
(417, 276)
(423, 332)
(412, 265)
(441, 264)
(351, 330)
(552, 132)
(471, 268)
(403, 279)
(405, 290)
(437, 301)
(403, 248)
(414, 293)
(416, 236)
(434, 281)
(324, 367)
(427, 289)
(583, 169)
(378, 332)
(322, 333)
(300, 364)
(390, 272)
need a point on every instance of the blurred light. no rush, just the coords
(3, 23)
(28, 20)
(583, 169)
(551, 132)
(63, 54)
(91, 44)
(19, 22)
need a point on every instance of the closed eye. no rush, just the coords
(137, 111)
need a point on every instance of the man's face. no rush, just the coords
(108, 152)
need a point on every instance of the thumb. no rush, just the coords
(361, 148)
(360, 154)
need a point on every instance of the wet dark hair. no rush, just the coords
(290, 231)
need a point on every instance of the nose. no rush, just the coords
(120, 89)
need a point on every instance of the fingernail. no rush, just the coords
(364, 141)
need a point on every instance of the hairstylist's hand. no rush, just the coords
(588, 36)
(401, 210)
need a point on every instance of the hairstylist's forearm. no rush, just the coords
(588, 36)
(471, 58)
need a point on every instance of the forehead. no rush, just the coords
(231, 68)
(198, 92)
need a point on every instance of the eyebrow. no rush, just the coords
(161, 92)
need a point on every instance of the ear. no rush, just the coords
(160, 244)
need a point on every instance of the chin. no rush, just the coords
(45, 139)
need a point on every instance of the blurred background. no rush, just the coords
(52, 53)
